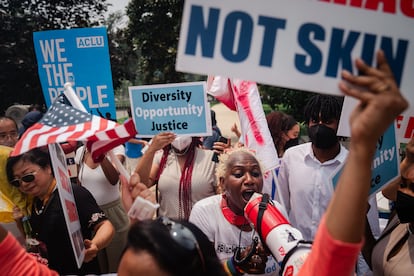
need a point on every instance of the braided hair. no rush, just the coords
(185, 202)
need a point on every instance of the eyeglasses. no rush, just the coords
(25, 178)
(11, 135)
(183, 236)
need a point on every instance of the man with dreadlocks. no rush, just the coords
(305, 187)
(182, 171)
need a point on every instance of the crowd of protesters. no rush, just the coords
(201, 228)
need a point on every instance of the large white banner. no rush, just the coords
(298, 44)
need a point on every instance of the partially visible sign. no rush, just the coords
(299, 44)
(68, 201)
(386, 163)
(181, 108)
(80, 56)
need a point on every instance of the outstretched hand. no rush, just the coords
(379, 95)
(130, 190)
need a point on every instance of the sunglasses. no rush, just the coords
(25, 178)
(183, 236)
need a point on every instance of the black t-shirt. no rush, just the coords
(50, 228)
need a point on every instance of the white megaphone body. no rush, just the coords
(284, 241)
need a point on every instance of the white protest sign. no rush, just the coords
(181, 108)
(298, 44)
(68, 201)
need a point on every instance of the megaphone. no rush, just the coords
(284, 241)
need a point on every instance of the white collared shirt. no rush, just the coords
(305, 185)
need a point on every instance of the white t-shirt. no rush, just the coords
(208, 216)
(95, 180)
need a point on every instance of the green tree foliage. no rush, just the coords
(287, 100)
(124, 61)
(19, 81)
(153, 29)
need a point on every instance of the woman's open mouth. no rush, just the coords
(247, 194)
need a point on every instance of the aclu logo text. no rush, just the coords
(90, 42)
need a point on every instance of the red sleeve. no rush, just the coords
(330, 256)
(15, 261)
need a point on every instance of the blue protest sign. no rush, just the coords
(385, 165)
(80, 56)
(179, 108)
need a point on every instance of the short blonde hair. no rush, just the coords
(222, 165)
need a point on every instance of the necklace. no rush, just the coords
(181, 153)
(44, 202)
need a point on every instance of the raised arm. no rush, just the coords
(144, 167)
(380, 103)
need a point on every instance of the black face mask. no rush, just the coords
(291, 143)
(405, 207)
(322, 137)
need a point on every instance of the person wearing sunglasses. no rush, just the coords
(32, 174)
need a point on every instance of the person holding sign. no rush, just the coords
(340, 235)
(182, 171)
(32, 173)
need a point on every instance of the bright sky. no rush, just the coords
(117, 5)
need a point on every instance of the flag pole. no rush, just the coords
(76, 102)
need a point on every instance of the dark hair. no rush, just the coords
(288, 123)
(279, 123)
(154, 237)
(9, 118)
(328, 107)
(39, 156)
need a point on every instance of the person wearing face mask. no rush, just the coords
(391, 253)
(304, 180)
(182, 172)
(304, 185)
(284, 129)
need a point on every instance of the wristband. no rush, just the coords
(232, 269)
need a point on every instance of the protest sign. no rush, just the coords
(79, 56)
(298, 44)
(386, 162)
(181, 108)
(68, 201)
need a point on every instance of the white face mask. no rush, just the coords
(181, 142)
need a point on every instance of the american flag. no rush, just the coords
(63, 123)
